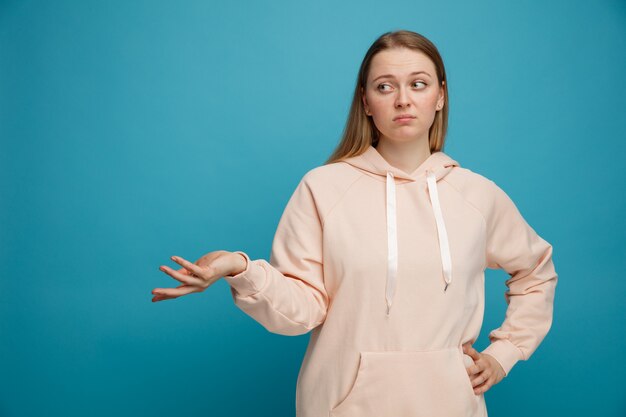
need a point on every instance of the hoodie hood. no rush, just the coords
(435, 167)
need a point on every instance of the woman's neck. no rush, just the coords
(406, 156)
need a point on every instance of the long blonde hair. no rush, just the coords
(360, 131)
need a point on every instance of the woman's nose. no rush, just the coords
(402, 97)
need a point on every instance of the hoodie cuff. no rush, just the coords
(249, 281)
(505, 352)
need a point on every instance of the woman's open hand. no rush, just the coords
(486, 371)
(198, 276)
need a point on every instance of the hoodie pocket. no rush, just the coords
(410, 384)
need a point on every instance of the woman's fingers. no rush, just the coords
(481, 374)
(159, 297)
(204, 270)
(474, 370)
(479, 377)
(160, 294)
(194, 276)
(191, 267)
(482, 383)
(473, 353)
(173, 292)
(485, 372)
(190, 282)
(181, 275)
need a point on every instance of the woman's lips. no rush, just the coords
(404, 119)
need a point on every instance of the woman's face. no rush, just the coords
(402, 81)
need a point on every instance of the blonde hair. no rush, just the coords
(360, 131)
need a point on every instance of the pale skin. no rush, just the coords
(403, 144)
(199, 275)
(486, 371)
(404, 81)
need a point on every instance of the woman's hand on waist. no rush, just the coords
(486, 371)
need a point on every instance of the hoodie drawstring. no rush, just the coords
(392, 235)
(392, 240)
(444, 246)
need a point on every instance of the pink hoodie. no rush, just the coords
(387, 269)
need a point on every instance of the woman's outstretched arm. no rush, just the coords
(287, 295)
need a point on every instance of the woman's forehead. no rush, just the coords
(401, 62)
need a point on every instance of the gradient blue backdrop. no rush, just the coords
(136, 130)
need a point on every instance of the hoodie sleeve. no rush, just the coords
(287, 295)
(512, 245)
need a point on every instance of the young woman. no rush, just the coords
(381, 254)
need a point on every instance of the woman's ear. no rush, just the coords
(440, 101)
(365, 106)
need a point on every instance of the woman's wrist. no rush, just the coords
(241, 263)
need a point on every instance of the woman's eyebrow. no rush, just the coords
(391, 76)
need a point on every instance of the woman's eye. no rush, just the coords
(381, 86)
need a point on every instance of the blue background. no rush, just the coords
(136, 130)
